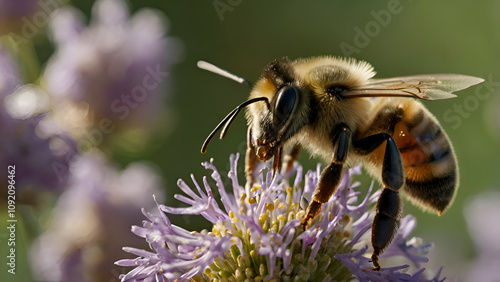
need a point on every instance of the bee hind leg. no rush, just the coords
(389, 207)
(386, 222)
(330, 176)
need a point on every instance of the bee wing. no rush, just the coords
(425, 86)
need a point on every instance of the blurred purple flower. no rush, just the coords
(115, 69)
(10, 77)
(92, 219)
(484, 232)
(257, 235)
(41, 162)
(16, 9)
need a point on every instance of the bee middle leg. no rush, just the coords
(389, 207)
(330, 176)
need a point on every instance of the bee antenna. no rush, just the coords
(226, 122)
(217, 70)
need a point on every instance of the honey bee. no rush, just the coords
(334, 108)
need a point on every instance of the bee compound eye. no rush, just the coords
(286, 102)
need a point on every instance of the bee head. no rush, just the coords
(270, 126)
(273, 125)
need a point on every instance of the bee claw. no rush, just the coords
(376, 265)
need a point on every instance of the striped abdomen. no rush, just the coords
(428, 156)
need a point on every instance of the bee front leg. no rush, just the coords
(389, 207)
(250, 159)
(330, 177)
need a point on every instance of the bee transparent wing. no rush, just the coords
(426, 86)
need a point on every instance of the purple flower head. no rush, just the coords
(257, 234)
(112, 71)
(92, 219)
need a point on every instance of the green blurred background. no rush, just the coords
(243, 36)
